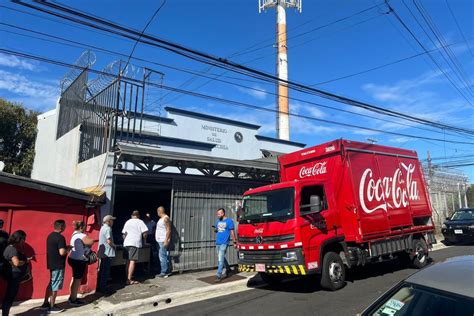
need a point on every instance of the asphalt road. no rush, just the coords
(304, 297)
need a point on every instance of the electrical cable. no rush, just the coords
(228, 101)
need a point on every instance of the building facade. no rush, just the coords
(189, 162)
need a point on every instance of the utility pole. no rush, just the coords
(282, 120)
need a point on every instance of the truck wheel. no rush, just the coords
(333, 275)
(420, 253)
(270, 279)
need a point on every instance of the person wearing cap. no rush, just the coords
(106, 252)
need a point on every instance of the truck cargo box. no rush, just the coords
(379, 191)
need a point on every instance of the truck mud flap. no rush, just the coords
(430, 239)
(281, 269)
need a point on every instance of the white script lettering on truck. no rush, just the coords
(391, 192)
(317, 168)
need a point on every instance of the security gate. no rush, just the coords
(193, 214)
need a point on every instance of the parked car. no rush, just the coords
(445, 288)
(459, 227)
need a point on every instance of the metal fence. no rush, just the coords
(194, 208)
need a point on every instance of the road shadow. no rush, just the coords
(311, 283)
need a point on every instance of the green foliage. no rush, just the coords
(470, 195)
(17, 137)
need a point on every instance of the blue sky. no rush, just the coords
(320, 49)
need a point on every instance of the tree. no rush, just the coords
(470, 195)
(17, 137)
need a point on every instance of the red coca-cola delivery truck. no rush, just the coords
(338, 205)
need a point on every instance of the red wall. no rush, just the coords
(34, 212)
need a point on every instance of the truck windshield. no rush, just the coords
(268, 206)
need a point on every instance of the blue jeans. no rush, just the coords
(163, 254)
(104, 272)
(221, 260)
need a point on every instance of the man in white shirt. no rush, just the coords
(134, 232)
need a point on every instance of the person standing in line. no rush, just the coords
(4, 265)
(224, 229)
(151, 225)
(163, 237)
(56, 252)
(106, 252)
(3, 237)
(134, 232)
(17, 268)
(77, 259)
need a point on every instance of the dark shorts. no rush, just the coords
(78, 268)
(130, 253)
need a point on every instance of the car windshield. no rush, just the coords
(268, 206)
(463, 215)
(413, 300)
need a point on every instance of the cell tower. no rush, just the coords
(282, 121)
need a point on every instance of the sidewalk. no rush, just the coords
(151, 295)
(156, 294)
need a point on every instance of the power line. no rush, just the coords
(143, 31)
(226, 101)
(400, 20)
(226, 64)
(380, 66)
(82, 45)
(442, 42)
(459, 28)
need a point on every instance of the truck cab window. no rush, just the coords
(307, 203)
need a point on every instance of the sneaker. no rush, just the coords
(217, 280)
(55, 310)
(45, 306)
(164, 276)
(77, 302)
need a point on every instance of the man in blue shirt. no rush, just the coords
(224, 229)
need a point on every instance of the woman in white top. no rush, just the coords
(77, 259)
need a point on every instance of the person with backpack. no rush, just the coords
(17, 268)
(78, 259)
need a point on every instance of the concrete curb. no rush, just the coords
(169, 300)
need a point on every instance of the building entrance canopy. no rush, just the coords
(134, 157)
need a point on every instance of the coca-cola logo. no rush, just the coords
(388, 192)
(316, 169)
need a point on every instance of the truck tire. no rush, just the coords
(333, 274)
(271, 279)
(420, 253)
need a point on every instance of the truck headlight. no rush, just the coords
(290, 256)
(241, 256)
(443, 226)
(471, 227)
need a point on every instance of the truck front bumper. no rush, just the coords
(273, 261)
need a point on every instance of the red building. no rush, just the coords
(33, 206)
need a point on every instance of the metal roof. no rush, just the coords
(211, 118)
(11, 179)
(454, 275)
(127, 149)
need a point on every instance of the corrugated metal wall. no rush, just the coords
(194, 206)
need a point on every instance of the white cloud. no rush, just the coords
(259, 93)
(33, 94)
(15, 62)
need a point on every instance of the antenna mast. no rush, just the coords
(282, 121)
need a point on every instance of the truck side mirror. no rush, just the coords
(315, 201)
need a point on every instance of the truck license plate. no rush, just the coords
(458, 231)
(260, 267)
